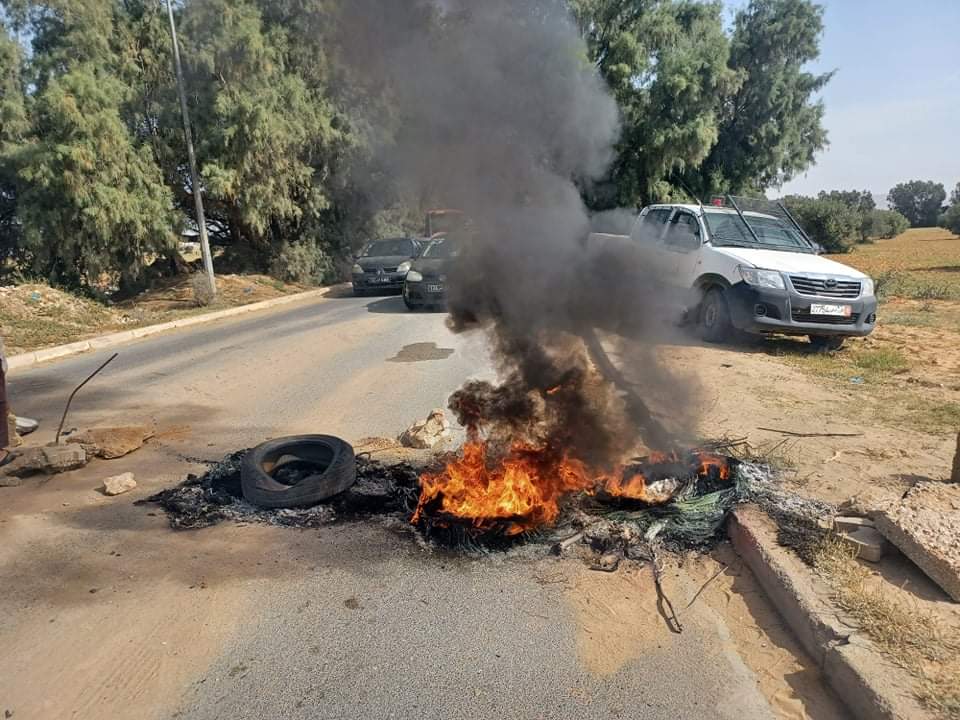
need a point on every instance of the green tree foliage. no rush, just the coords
(13, 127)
(919, 201)
(262, 132)
(290, 135)
(884, 224)
(667, 63)
(830, 222)
(771, 127)
(955, 195)
(951, 219)
(861, 200)
(91, 200)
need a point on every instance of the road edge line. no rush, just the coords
(35, 357)
(857, 673)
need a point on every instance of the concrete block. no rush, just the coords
(926, 528)
(119, 484)
(868, 543)
(849, 523)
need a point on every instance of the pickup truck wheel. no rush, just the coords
(715, 317)
(826, 343)
(410, 305)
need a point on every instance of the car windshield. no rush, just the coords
(726, 228)
(442, 249)
(386, 248)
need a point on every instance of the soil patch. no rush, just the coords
(419, 352)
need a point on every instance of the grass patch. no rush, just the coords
(929, 415)
(915, 286)
(922, 263)
(881, 360)
(871, 364)
(914, 639)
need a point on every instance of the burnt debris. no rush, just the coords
(216, 496)
(691, 519)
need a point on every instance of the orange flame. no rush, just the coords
(522, 490)
(709, 460)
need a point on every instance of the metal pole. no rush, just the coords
(194, 176)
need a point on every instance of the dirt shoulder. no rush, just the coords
(36, 316)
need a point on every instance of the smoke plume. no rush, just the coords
(500, 113)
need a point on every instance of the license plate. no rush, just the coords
(435, 288)
(825, 309)
(381, 279)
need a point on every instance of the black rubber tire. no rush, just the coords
(410, 305)
(335, 458)
(357, 292)
(715, 325)
(827, 343)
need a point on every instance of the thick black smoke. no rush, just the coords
(500, 113)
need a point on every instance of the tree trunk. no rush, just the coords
(955, 477)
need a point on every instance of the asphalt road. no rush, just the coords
(352, 621)
(353, 367)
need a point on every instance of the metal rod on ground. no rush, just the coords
(194, 176)
(90, 377)
(673, 620)
(791, 433)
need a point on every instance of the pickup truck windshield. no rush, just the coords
(726, 228)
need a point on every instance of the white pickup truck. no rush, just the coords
(753, 271)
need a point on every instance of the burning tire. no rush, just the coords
(296, 471)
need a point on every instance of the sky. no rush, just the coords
(893, 106)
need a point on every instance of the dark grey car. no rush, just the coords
(383, 264)
(426, 283)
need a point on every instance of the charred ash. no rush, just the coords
(387, 491)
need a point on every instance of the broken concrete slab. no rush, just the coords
(112, 442)
(10, 480)
(119, 484)
(868, 543)
(926, 528)
(849, 523)
(49, 459)
(870, 502)
(426, 433)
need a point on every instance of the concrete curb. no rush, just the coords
(25, 360)
(871, 686)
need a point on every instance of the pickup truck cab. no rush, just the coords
(756, 272)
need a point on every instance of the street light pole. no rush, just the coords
(194, 176)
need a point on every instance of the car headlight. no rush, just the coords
(762, 278)
(866, 287)
(357, 270)
(403, 267)
(414, 276)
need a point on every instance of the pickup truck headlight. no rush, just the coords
(762, 278)
(403, 267)
(414, 276)
(356, 270)
(866, 287)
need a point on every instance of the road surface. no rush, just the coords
(105, 612)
